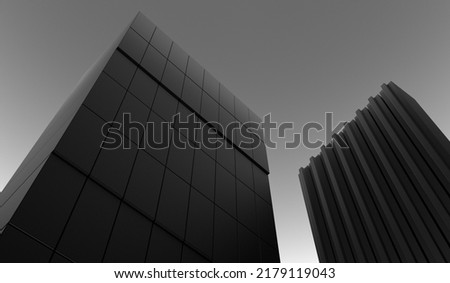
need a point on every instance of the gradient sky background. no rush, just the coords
(295, 59)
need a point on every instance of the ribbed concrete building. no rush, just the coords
(386, 197)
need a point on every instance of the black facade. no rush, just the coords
(386, 197)
(71, 201)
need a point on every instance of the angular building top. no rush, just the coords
(386, 196)
(162, 59)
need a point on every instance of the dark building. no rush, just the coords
(386, 197)
(71, 200)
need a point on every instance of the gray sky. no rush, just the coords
(295, 59)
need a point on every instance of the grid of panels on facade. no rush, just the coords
(152, 205)
(165, 61)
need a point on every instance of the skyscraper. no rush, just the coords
(73, 201)
(386, 196)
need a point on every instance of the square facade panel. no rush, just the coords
(16, 246)
(161, 42)
(243, 138)
(132, 116)
(225, 193)
(178, 57)
(211, 86)
(83, 135)
(225, 157)
(248, 244)
(192, 94)
(199, 230)
(173, 204)
(211, 152)
(86, 236)
(180, 160)
(226, 99)
(113, 168)
(163, 247)
(157, 132)
(153, 195)
(244, 170)
(129, 239)
(195, 71)
(246, 212)
(225, 237)
(266, 222)
(154, 62)
(184, 113)
(260, 155)
(143, 26)
(144, 87)
(120, 69)
(57, 181)
(105, 97)
(210, 108)
(173, 79)
(145, 183)
(261, 182)
(209, 133)
(165, 104)
(134, 45)
(203, 176)
(228, 122)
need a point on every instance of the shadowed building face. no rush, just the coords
(73, 200)
(386, 197)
